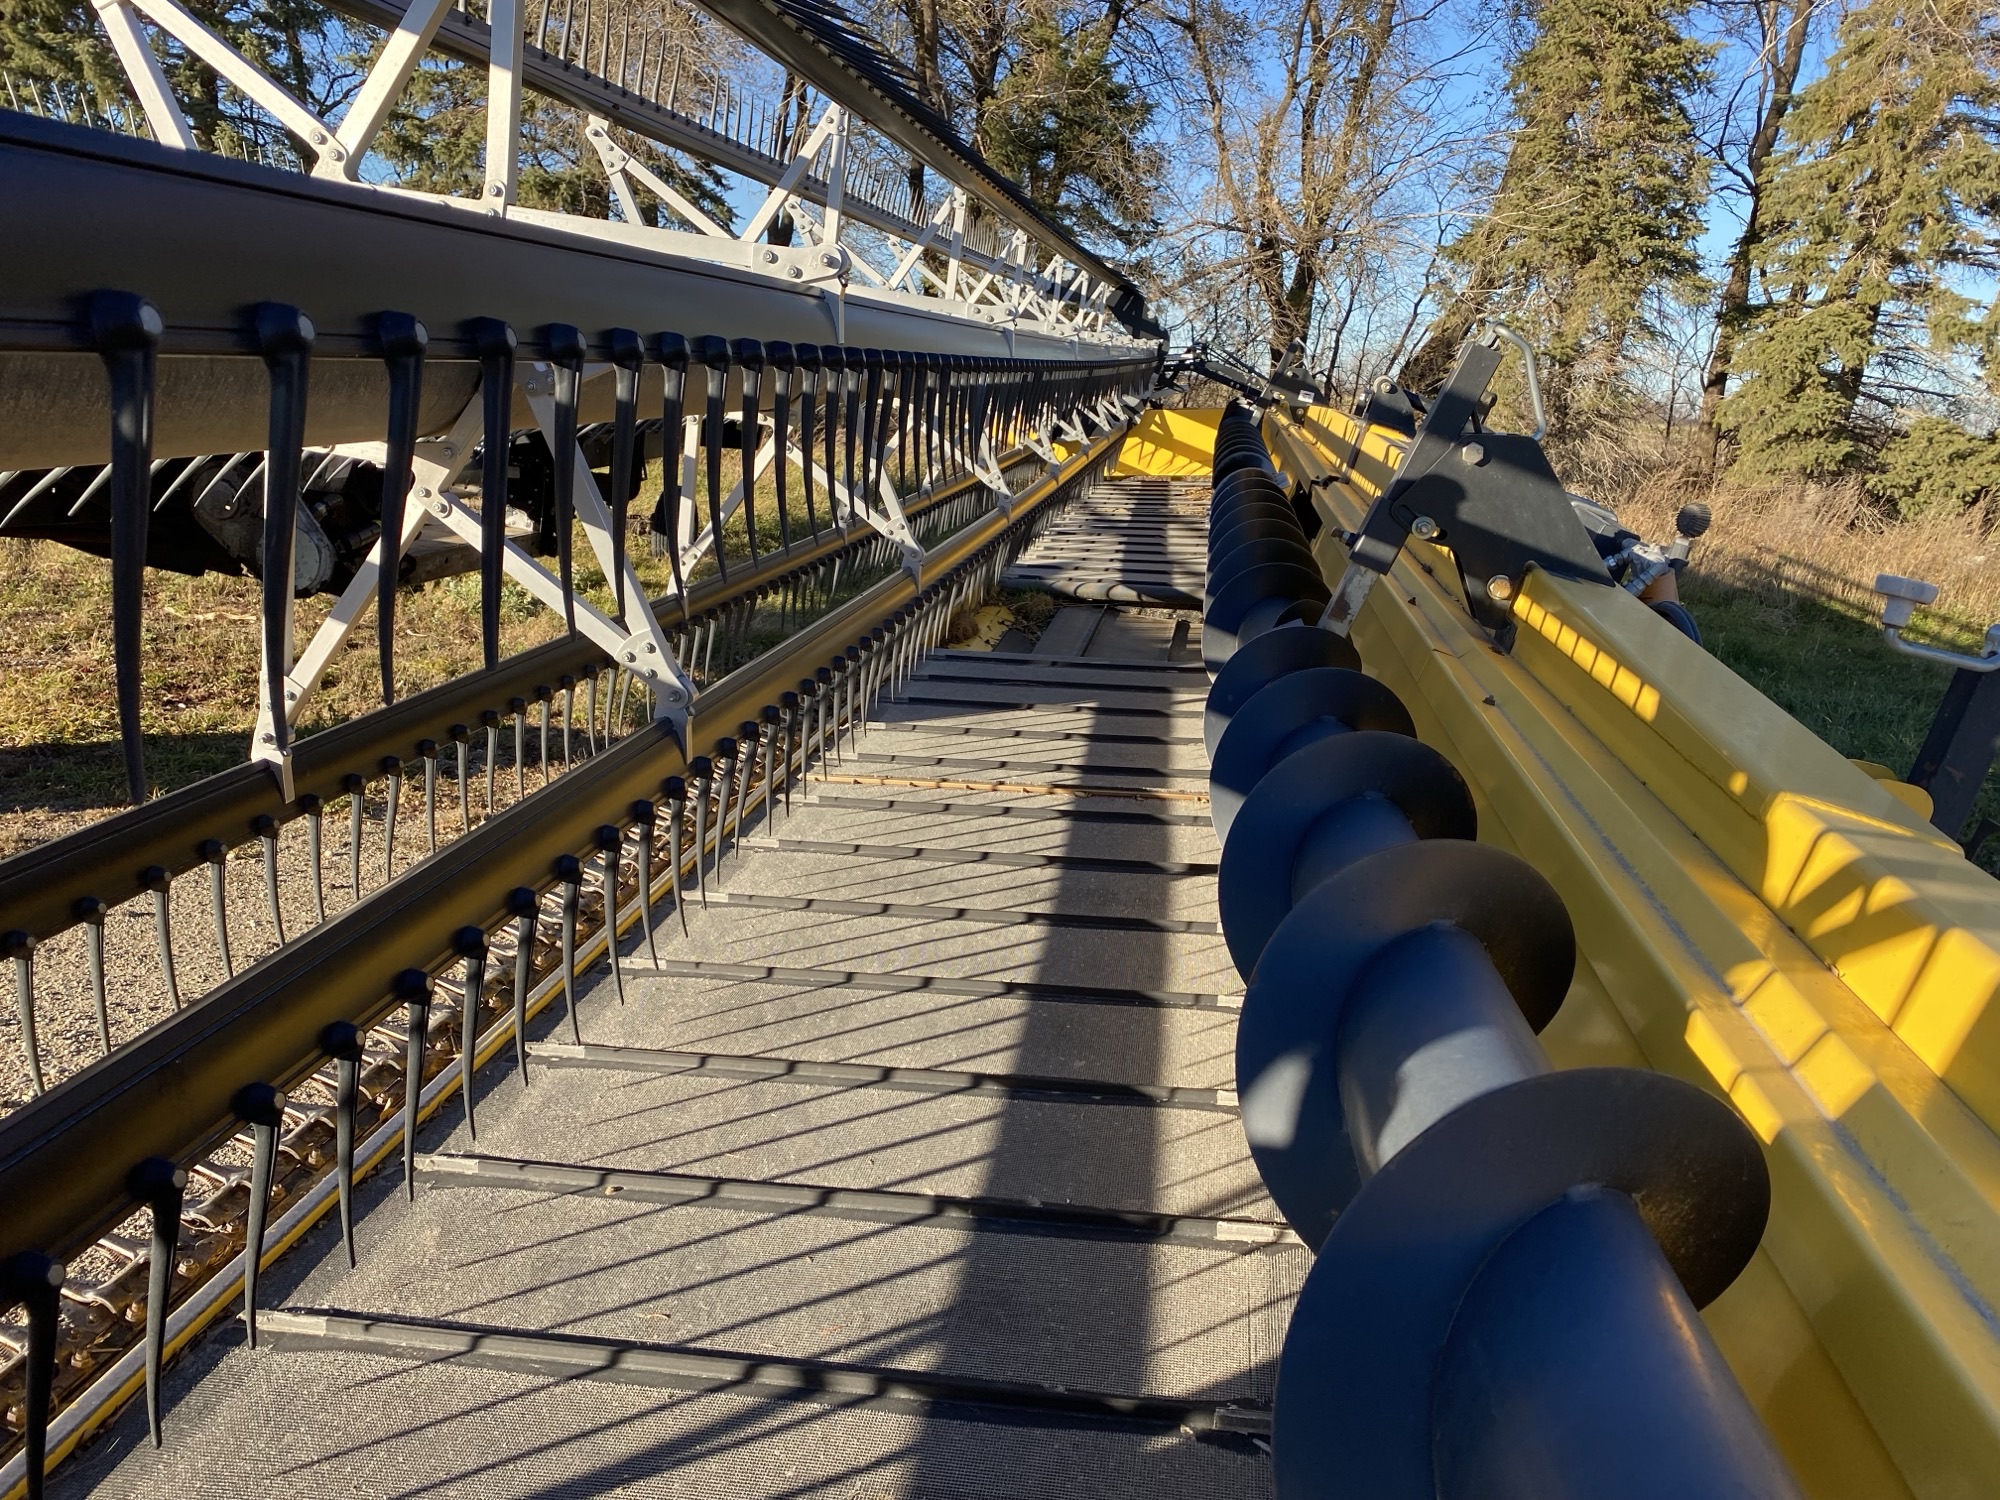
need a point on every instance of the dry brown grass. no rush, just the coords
(60, 763)
(1782, 587)
(1777, 542)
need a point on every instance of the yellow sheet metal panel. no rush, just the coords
(1867, 1332)
(1788, 1377)
(1366, 465)
(1873, 889)
(1169, 443)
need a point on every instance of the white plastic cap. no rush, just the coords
(1901, 596)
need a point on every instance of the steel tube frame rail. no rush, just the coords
(469, 39)
(64, 1157)
(323, 246)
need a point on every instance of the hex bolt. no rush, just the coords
(1500, 587)
(1424, 529)
(1473, 453)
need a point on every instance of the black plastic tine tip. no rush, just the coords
(644, 820)
(161, 1185)
(469, 943)
(34, 1281)
(262, 1108)
(341, 1041)
(569, 870)
(413, 988)
(525, 906)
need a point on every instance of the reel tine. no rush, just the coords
(644, 818)
(856, 365)
(627, 354)
(403, 340)
(676, 790)
(284, 338)
(342, 1041)
(393, 766)
(566, 350)
(162, 1186)
(872, 416)
(353, 785)
(213, 854)
(315, 839)
(517, 709)
(494, 343)
(428, 750)
(610, 844)
(569, 870)
(470, 944)
(34, 1282)
(154, 878)
(773, 730)
(748, 355)
(266, 828)
(543, 697)
(904, 367)
(90, 911)
(790, 705)
(489, 719)
(822, 704)
(713, 352)
(699, 775)
(461, 736)
(126, 330)
(671, 350)
(526, 908)
(806, 356)
(782, 360)
(262, 1108)
(413, 988)
(724, 778)
(20, 947)
(746, 762)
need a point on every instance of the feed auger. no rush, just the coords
(1510, 1257)
(1346, 998)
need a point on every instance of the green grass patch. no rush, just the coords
(1824, 662)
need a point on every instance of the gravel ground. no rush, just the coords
(136, 994)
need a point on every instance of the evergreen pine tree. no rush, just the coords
(1599, 203)
(1879, 211)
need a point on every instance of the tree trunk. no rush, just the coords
(1734, 309)
(1429, 367)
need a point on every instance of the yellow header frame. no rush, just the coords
(1760, 916)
